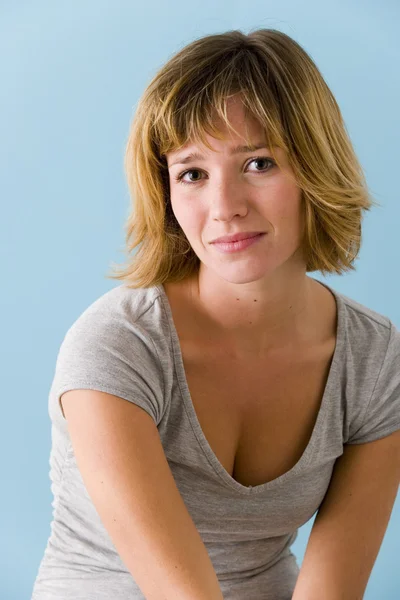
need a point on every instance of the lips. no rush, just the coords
(236, 237)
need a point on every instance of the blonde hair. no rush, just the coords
(283, 89)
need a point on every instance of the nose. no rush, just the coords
(227, 200)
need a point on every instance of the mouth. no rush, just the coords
(236, 237)
(238, 245)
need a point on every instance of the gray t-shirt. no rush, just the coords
(125, 343)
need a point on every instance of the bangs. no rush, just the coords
(196, 105)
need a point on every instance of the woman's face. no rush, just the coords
(221, 193)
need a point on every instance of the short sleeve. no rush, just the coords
(110, 353)
(382, 413)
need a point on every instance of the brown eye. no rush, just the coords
(190, 171)
(261, 159)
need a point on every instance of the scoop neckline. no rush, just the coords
(305, 458)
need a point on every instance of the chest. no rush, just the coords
(258, 418)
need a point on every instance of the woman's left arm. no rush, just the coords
(351, 522)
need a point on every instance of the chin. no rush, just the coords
(241, 274)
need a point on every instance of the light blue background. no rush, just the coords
(71, 75)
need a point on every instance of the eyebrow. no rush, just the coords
(184, 159)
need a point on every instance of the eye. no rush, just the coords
(179, 178)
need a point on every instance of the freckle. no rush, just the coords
(237, 298)
(254, 300)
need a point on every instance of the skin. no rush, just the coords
(260, 298)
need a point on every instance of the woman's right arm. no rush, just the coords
(122, 463)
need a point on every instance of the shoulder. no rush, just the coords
(370, 375)
(117, 345)
(119, 314)
(123, 321)
(121, 303)
(369, 339)
(365, 330)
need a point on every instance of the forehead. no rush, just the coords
(231, 130)
(240, 125)
(190, 153)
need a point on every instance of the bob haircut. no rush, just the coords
(283, 89)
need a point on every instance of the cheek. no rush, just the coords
(287, 204)
(188, 216)
(284, 211)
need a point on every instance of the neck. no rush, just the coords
(253, 319)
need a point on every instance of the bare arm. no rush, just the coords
(351, 523)
(126, 473)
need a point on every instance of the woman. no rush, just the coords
(211, 404)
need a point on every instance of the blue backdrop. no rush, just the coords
(71, 74)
